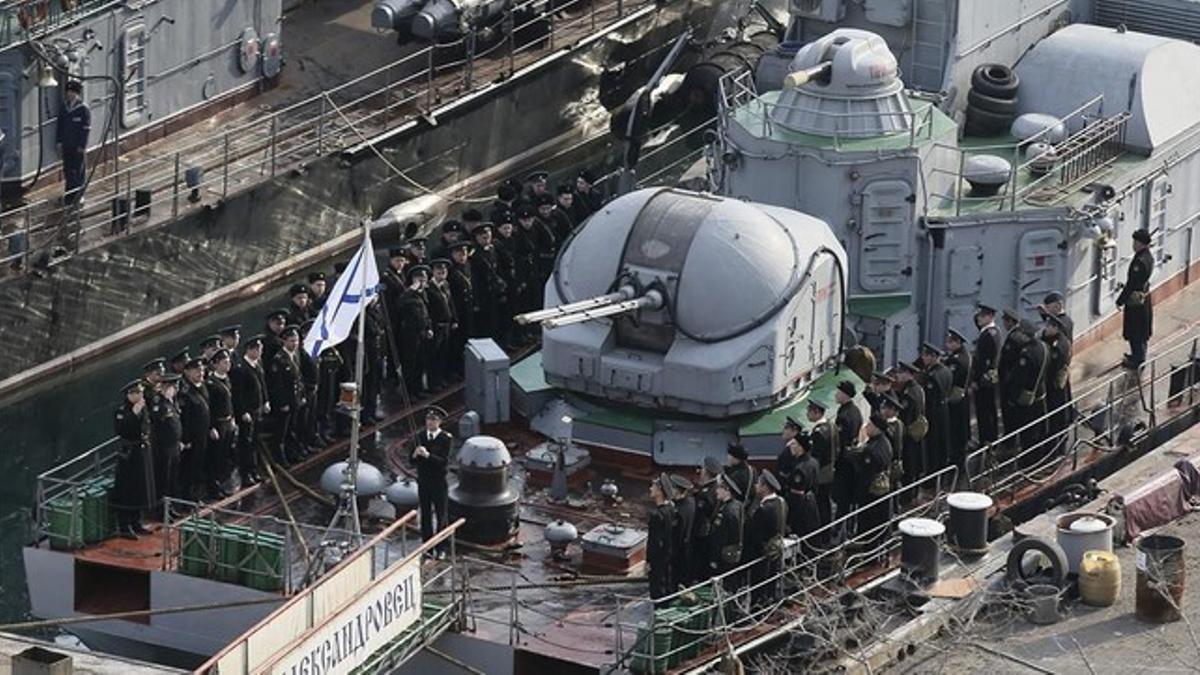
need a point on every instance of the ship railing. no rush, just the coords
(61, 494)
(125, 197)
(254, 550)
(21, 20)
(658, 635)
(737, 93)
(322, 607)
(1112, 409)
(1098, 141)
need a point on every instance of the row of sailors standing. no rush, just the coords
(188, 422)
(919, 423)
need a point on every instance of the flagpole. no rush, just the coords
(356, 419)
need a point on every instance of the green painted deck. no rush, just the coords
(1031, 191)
(528, 376)
(932, 125)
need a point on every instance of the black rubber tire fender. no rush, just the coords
(1013, 570)
(1000, 106)
(995, 79)
(984, 123)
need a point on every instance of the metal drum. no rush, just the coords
(969, 521)
(1078, 533)
(921, 548)
(1160, 578)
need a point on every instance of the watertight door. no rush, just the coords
(886, 235)
(1158, 194)
(133, 66)
(1039, 268)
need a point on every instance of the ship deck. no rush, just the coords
(546, 609)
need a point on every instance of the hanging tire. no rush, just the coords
(1014, 570)
(995, 79)
(1000, 106)
(985, 123)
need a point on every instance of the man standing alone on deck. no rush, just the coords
(1138, 320)
(74, 126)
(431, 455)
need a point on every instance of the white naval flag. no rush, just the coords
(356, 287)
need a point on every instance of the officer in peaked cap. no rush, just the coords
(685, 510)
(820, 444)
(588, 199)
(1010, 350)
(249, 384)
(848, 423)
(219, 461)
(725, 541)
(489, 289)
(1058, 375)
(209, 345)
(985, 376)
(800, 482)
(74, 127)
(179, 359)
(1027, 392)
(660, 538)
(195, 415)
(937, 384)
(152, 372)
(416, 330)
(462, 292)
(416, 249)
(272, 335)
(285, 392)
(430, 454)
(881, 383)
(1053, 305)
(738, 468)
(874, 469)
(133, 491)
(1137, 323)
(764, 545)
(706, 513)
(230, 336)
(958, 403)
(792, 434)
(536, 185)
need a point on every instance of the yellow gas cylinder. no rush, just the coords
(1099, 578)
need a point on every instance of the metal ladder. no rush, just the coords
(931, 21)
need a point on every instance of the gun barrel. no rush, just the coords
(800, 77)
(651, 299)
(623, 294)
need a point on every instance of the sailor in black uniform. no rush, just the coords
(152, 373)
(1029, 393)
(318, 286)
(431, 456)
(299, 310)
(1006, 368)
(416, 331)
(196, 416)
(231, 337)
(1052, 305)
(564, 210)
(820, 444)
(1058, 378)
(764, 542)
(725, 540)
(166, 435)
(133, 490)
(874, 468)
(74, 126)
(738, 468)
(208, 347)
(310, 380)
(488, 288)
(1137, 324)
(220, 448)
(890, 411)
(272, 335)
(881, 386)
(329, 384)
(462, 290)
(536, 186)
(984, 375)
(706, 510)
(684, 551)
(800, 485)
(958, 360)
(660, 538)
(848, 422)
(249, 383)
(286, 394)
(937, 384)
(440, 301)
(916, 426)
(177, 362)
(588, 199)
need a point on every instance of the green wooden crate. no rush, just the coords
(64, 522)
(99, 522)
(664, 632)
(232, 551)
(196, 543)
(263, 569)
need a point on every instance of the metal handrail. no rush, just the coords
(293, 135)
(807, 566)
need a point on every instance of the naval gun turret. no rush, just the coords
(688, 302)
